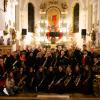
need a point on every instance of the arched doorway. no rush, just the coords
(76, 18)
(30, 17)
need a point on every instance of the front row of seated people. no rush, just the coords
(56, 80)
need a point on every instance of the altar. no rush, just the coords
(52, 23)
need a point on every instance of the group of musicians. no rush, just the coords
(59, 70)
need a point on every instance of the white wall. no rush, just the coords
(2, 14)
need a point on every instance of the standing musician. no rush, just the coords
(2, 68)
(86, 59)
(62, 59)
(39, 60)
(48, 59)
(8, 61)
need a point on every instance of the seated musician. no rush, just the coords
(40, 80)
(30, 80)
(59, 76)
(77, 78)
(2, 75)
(10, 88)
(87, 80)
(68, 81)
(50, 76)
(96, 65)
(21, 78)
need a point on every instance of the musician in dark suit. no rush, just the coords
(86, 59)
(40, 77)
(9, 60)
(62, 59)
(68, 80)
(30, 80)
(59, 76)
(20, 78)
(50, 76)
(39, 61)
(48, 59)
(77, 54)
(30, 60)
(96, 65)
(2, 75)
(77, 78)
(87, 80)
(2, 68)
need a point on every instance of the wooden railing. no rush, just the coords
(4, 48)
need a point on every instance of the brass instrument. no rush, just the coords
(67, 80)
(52, 82)
(77, 80)
(21, 82)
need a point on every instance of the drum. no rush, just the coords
(96, 85)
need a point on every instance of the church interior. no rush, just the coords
(52, 44)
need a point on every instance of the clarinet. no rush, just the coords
(41, 82)
(14, 64)
(59, 81)
(56, 60)
(45, 62)
(52, 82)
(67, 80)
(77, 80)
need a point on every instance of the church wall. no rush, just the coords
(89, 15)
(2, 14)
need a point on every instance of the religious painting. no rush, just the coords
(53, 16)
